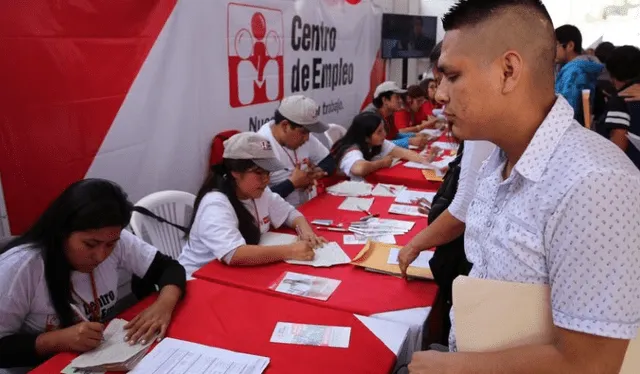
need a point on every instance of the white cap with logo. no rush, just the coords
(302, 111)
(254, 147)
(388, 86)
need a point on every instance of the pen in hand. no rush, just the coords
(80, 314)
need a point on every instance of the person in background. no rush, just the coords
(59, 280)
(578, 71)
(429, 85)
(235, 206)
(412, 118)
(542, 196)
(387, 100)
(622, 117)
(604, 87)
(364, 148)
(305, 159)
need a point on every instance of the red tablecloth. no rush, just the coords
(412, 178)
(243, 321)
(360, 292)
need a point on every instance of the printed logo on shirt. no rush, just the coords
(266, 146)
(104, 305)
(52, 323)
(266, 220)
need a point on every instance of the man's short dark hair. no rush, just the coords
(570, 33)
(624, 63)
(377, 101)
(415, 91)
(603, 51)
(473, 12)
(278, 117)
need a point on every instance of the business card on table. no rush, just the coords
(316, 335)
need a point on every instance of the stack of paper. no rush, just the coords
(318, 288)
(350, 188)
(387, 190)
(409, 196)
(406, 210)
(446, 146)
(329, 254)
(182, 357)
(114, 352)
(376, 227)
(317, 335)
(356, 204)
(363, 239)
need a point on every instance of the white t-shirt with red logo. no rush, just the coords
(215, 233)
(25, 305)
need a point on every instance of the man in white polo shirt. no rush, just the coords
(555, 203)
(305, 159)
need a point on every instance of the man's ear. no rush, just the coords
(571, 46)
(512, 66)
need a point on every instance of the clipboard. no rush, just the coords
(494, 315)
(374, 256)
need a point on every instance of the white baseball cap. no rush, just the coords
(254, 147)
(303, 111)
(388, 86)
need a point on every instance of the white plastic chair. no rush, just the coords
(335, 132)
(174, 206)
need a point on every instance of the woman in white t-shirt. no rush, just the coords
(235, 206)
(364, 148)
(59, 280)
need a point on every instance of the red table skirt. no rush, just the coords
(243, 321)
(360, 291)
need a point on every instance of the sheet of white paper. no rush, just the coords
(407, 210)
(359, 239)
(408, 196)
(114, 349)
(276, 238)
(443, 163)
(421, 262)
(328, 255)
(71, 370)
(417, 165)
(634, 139)
(446, 145)
(356, 204)
(182, 357)
(350, 188)
(432, 132)
(317, 335)
(387, 190)
(318, 288)
(440, 173)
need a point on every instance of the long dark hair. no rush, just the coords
(220, 179)
(362, 127)
(85, 205)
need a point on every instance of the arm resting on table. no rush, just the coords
(362, 168)
(251, 255)
(405, 154)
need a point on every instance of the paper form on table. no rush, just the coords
(317, 335)
(304, 285)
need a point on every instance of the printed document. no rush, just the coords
(325, 336)
(356, 204)
(328, 255)
(304, 285)
(421, 262)
(407, 210)
(387, 190)
(360, 239)
(181, 357)
(350, 188)
(408, 196)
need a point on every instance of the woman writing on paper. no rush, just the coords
(235, 206)
(364, 148)
(59, 280)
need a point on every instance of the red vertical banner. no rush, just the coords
(65, 71)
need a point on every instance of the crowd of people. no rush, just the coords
(532, 197)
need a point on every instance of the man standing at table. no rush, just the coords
(304, 157)
(555, 203)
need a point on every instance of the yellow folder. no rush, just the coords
(374, 257)
(494, 315)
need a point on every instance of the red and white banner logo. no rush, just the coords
(255, 47)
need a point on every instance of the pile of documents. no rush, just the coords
(406, 210)
(315, 335)
(387, 190)
(350, 188)
(374, 227)
(182, 357)
(113, 353)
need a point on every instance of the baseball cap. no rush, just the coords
(251, 146)
(302, 111)
(388, 86)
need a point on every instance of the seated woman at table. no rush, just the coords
(235, 206)
(364, 148)
(59, 280)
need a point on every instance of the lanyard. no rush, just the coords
(293, 162)
(95, 311)
(255, 208)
